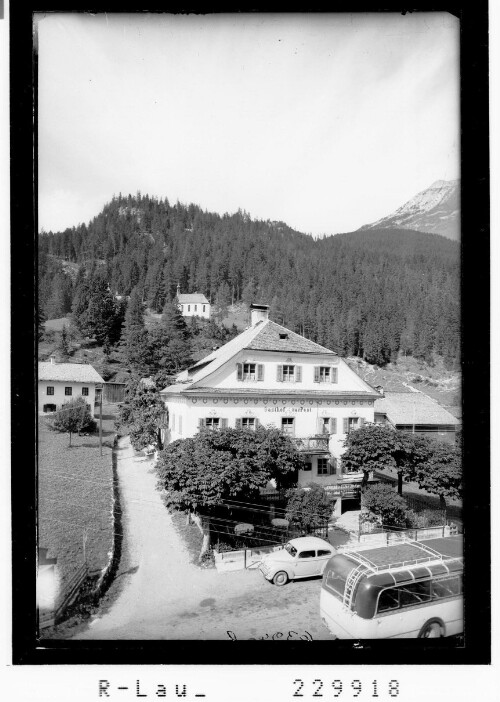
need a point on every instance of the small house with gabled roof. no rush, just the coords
(269, 375)
(193, 304)
(59, 383)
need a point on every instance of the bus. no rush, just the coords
(412, 589)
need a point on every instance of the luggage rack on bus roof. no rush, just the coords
(365, 565)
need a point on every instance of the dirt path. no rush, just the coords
(164, 596)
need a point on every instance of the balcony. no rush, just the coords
(312, 444)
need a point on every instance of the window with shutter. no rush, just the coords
(260, 371)
(345, 426)
(201, 423)
(249, 371)
(239, 371)
(333, 425)
(323, 425)
(287, 426)
(361, 421)
(256, 423)
(316, 374)
(334, 375)
(298, 374)
(352, 423)
(238, 424)
(223, 423)
(279, 373)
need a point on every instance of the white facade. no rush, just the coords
(311, 395)
(58, 383)
(193, 305)
(195, 309)
(54, 393)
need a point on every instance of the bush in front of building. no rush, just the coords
(384, 503)
(214, 470)
(308, 509)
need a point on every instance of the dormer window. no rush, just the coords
(250, 371)
(289, 374)
(283, 336)
(325, 374)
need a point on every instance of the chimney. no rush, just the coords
(258, 313)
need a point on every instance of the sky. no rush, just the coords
(323, 121)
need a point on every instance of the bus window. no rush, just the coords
(415, 593)
(447, 587)
(389, 599)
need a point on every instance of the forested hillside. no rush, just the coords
(370, 294)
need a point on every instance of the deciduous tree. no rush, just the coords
(199, 474)
(74, 416)
(441, 473)
(142, 413)
(377, 446)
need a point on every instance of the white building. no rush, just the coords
(193, 305)
(271, 376)
(59, 383)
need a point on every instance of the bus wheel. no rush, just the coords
(431, 630)
(281, 578)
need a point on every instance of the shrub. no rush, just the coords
(308, 509)
(424, 519)
(207, 559)
(384, 502)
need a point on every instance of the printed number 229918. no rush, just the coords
(353, 688)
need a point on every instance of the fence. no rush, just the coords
(71, 589)
(384, 538)
(242, 559)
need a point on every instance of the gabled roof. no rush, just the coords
(413, 408)
(68, 372)
(270, 338)
(190, 298)
(263, 336)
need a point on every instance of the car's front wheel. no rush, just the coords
(281, 578)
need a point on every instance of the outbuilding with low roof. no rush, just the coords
(418, 413)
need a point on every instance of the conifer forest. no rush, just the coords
(372, 294)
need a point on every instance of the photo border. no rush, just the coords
(475, 367)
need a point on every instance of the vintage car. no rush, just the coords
(303, 557)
